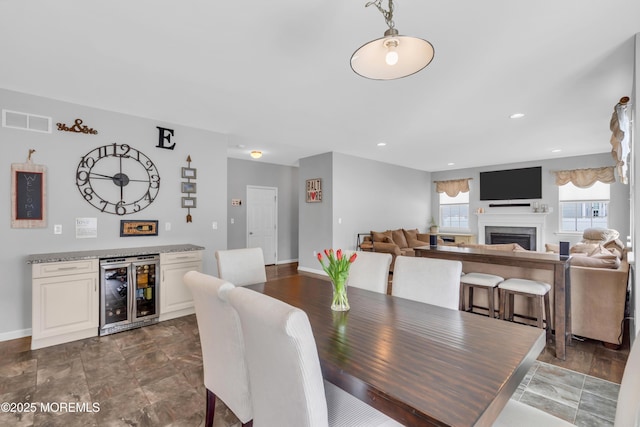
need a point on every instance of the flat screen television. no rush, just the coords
(511, 184)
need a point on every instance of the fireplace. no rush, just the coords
(515, 225)
(524, 236)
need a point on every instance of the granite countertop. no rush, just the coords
(110, 253)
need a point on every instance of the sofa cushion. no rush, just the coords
(414, 243)
(398, 238)
(599, 235)
(384, 237)
(600, 257)
(552, 247)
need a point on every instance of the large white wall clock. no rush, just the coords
(117, 179)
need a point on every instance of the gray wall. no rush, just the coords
(241, 173)
(316, 219)
(359, 195)
(61, 152)
(618, 211)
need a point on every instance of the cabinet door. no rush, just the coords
(64, 304)
(174, 294)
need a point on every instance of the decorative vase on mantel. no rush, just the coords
(340, 302)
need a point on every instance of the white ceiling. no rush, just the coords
(275, 75)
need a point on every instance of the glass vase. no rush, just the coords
(340, 301)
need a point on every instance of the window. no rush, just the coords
(581, 208)
(454, 211)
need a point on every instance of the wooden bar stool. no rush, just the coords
(483, 281)
(530, 289)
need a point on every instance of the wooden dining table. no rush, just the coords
(559, 266)
(421, 364)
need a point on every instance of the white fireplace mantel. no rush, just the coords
(514, 219)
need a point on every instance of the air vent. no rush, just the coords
(26, 121)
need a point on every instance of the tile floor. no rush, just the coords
(153, 377)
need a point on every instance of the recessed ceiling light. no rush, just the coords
(516, 116)
(556, 150)
(240, 145)
(450, 164)
(381, 144)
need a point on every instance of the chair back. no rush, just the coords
(628, 409)
(433, 281)
(370, 271)
(223, 354)
(241, 266)
(284, 370)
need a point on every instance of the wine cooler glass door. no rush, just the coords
(146, 274)
(116, 279)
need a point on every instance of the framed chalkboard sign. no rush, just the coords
(28, 195)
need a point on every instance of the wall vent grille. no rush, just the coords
(26, 121)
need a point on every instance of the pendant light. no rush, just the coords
(392, 56)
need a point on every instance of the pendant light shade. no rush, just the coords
(392, 56)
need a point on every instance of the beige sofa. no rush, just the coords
(394, 242)
(599, 281)
(599, 274)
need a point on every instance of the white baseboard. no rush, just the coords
(12, 335)
(312, 270)
(286, 261)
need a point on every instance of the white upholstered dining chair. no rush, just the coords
(223, 355)
(627, 410)
(284, 370)
(241, 266)
(428, 280)
(370, 271)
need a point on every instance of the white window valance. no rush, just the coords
(453, 186)
(584, 178)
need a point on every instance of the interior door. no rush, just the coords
(262, 221)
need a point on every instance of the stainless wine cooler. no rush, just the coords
(128, 293)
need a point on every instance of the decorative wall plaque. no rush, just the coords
(314, 190)
(189, 188)
(138, 228)
(78, 127)
(28, 194)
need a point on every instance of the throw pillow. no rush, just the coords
(615, 246)
(583, 248)
(410, 234)
(599, 235)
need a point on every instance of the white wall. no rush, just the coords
(618, 212)
(61, 152)
(241, 173)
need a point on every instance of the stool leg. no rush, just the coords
(502, 298)
(490, 298)
(470, 306)
(547, 311)
(540, 310)
(461, 300)
(512, 306)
